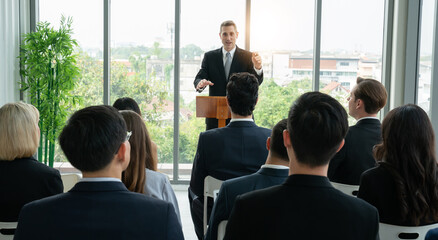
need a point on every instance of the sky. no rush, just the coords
(350, 25)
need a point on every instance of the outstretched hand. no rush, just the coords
(256, 60)
(202, 84)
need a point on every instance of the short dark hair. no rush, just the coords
(127, 103)
(277, 145)
(92, 137)
(372, 93)
(226, 24)
(317, 123)
(242, 93)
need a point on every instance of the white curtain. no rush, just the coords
(9, 50)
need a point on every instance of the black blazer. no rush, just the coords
(212, 69)
(357, 154)
(230, 189)
(304, 207)
(22, 181)
(377, 187)
(224, 153)
(98, 210)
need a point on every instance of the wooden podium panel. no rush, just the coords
(213, 107)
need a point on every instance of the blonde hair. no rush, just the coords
(19, 132)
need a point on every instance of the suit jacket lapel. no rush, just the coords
(235, 62)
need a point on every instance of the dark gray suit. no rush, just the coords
(98, 210)
(304, 207)
(230, 189)
(212, 69)
(357, 154)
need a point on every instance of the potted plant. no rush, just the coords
(49, 71)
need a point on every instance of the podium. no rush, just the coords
(213, 107)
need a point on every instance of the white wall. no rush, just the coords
(9, 50)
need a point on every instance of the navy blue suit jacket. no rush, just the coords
(357, 154)
(303, 207)
(236, 150)
(230, 189)
(98, 210)
(432, 234)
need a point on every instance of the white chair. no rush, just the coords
(389, 232)
(221, 230)
(5, 227)
(69, 180)
(211, 189)
(347, 189)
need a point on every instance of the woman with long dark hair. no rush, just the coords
(141, 175)
(404, 185)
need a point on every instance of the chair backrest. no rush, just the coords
(211, 187)
(351, 190)
(221, 230)
(69, 180)
(388, 231)
(7, 230)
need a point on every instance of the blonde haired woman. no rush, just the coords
(22, 178)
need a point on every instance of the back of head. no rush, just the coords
(317, 124)
(134, 176)
(127, 103)
(278, 149)
(372, 93)
(408, 152)
(242, 93)
(19, 132)
(92, 137)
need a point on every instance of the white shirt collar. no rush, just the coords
(224, 52)
(242, 120)
(368, 118)
(274, 166)
(100, 179)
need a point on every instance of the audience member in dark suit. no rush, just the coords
(233, 151)
(95, 141)
(432, 234)
(365, 101)
(217, 66)
(306, 206)
(404, 186)
(22, 178)
(274, 172)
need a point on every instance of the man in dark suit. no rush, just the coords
(365, 101)
(221, 63)
(306, 206)
(233, 151)
(273, 172)
(95, 141)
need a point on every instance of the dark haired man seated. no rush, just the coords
(236, 150)
(95, 141)
(306, 206)
(273, 172)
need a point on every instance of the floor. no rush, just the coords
(183, 204)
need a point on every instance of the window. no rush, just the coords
(358, 50)
(282, 33)
(142, 50)
(88, 31)
(426, 45)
